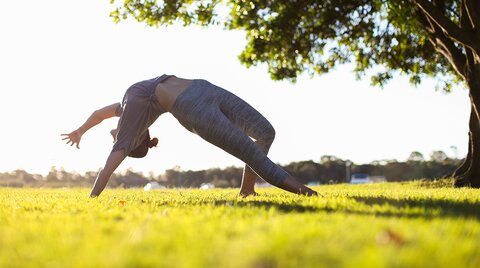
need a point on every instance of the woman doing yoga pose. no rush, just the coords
(213, 113)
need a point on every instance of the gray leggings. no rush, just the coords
(227, 121)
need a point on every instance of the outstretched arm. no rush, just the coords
(113, 161)
(95, 118)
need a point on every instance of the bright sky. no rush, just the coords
(61, 60)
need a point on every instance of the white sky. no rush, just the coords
(61, 60)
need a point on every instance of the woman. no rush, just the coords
(213, 113)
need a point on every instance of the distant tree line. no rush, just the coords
(329, 169)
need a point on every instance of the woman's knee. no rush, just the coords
(270, 134)
(266, 138)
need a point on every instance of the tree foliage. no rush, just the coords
(296, 36)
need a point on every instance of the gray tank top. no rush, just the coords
(139, 109)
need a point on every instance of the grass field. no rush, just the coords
(381, 225)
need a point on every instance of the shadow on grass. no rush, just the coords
(282, 207)
(403, 208)
(427, 208)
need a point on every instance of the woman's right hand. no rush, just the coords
(73, 137)
(114, 132)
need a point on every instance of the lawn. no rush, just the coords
(380, 225)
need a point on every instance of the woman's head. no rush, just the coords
(142, 149)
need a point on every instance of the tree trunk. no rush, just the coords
(463, 168)
(468, 174)
(462, 173)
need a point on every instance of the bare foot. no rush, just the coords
(293, 186)
(247, 193)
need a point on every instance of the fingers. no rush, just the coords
(71, 143)
(72, 140)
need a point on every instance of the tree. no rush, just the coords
(416, 157)
(438, 156)
(53, 175)
(419, 38)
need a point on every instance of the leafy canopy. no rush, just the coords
(296, 36)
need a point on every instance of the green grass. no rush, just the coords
(382, 225)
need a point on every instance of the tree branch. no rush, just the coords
(444, 45)
(447, 48)
(472, 7)
(467, 24)
(448, 27)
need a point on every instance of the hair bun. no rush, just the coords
(153, 142)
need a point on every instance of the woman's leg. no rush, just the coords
(224, 134)
(254, 125)
(225, 120)
(230, 127)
